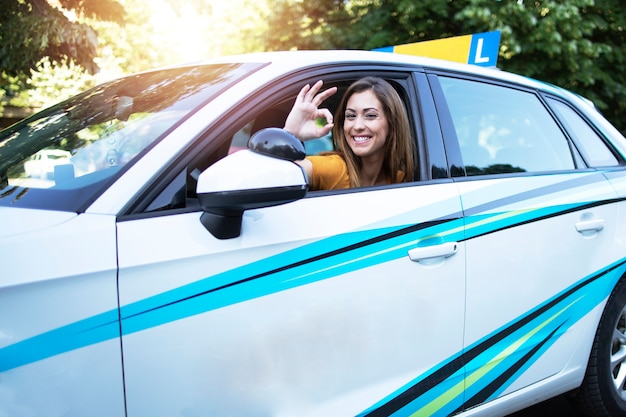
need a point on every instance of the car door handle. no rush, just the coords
(443, 250)
(585, 226)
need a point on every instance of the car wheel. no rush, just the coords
(603, 391)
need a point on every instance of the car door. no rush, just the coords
(339, 303)
(540, 228)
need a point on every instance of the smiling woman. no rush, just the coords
(373, 143)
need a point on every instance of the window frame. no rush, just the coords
(280, 90)
(451, 140)
(548, 98)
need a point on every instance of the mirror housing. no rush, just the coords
(277, 143)
(246, 180)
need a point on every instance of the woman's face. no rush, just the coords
(365, 125)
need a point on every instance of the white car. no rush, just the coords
(181, 270)
(42, 164)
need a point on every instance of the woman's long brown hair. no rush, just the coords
(399, 154)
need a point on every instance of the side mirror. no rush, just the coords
(277, 143)
(246, 180)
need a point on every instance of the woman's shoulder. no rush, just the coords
(327, 157)
(329, 160)
(329, 172)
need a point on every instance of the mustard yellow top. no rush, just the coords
(330, 172)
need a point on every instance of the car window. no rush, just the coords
(504, 130)
(276, 118)
(181, 194)
(594, 151)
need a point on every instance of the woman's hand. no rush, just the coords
(305, 111)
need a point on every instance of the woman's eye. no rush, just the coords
(371, 116)
(350, 116)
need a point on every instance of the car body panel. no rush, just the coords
(50, 353)
(527, 330)
(21, 221)
(538, 223)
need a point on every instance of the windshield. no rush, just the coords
(62, 157)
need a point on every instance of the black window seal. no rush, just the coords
(546, 97)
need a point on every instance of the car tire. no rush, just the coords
(603, 391)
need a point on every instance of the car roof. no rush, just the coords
(288, 61)
(282, 62)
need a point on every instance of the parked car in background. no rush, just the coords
(177, 271)
(42, 163)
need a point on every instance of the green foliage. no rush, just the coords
(154, 33)
(548, 40)
(104, 10)
(33, 29)
(578, 44)
(44, 55)
(572, 44)
(53, 83)
(608, 89)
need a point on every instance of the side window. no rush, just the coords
(593, 149)
(180, 193)
(503, 130)
(275, 117)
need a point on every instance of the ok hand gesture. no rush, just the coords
(302, 117)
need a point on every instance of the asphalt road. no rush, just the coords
(556, 407)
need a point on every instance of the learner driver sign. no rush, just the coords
(478, 49)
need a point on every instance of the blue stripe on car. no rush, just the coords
(493, 363)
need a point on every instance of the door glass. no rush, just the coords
(502, 130)
(594, 150)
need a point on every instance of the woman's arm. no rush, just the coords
(307, 166)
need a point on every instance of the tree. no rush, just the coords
(570, 44)
(154, 33)
(578, 44)
(33, 29)
(47, 51)
(608, 90)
